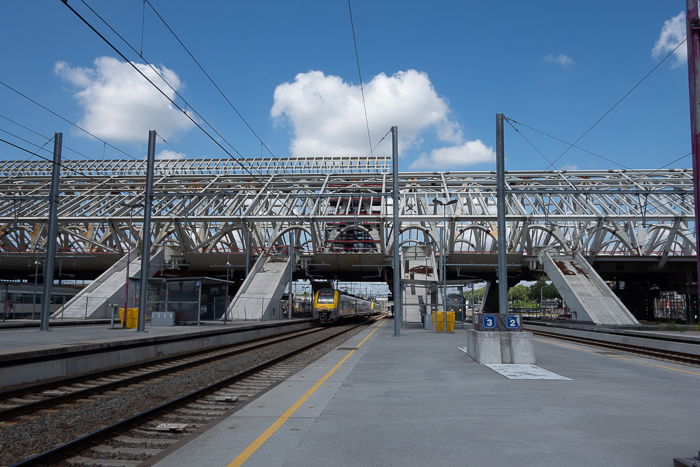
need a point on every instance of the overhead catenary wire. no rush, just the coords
(549, 135)
(49, 139)
(379, 142)
(551, 164)
(529, 142)
(28, 151)
(607, 112)
(160, 75)
(35, 102)
(195, 122)
(209, 77)
(172, 101)
(359, 73)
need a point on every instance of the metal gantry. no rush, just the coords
(344, 205)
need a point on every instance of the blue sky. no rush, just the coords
(445, 69)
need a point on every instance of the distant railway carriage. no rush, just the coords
(331, 305)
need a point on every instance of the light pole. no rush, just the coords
(131, 206)
(36, 274)
(443, 252)
(541, 309)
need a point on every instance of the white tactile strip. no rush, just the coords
(524, 371)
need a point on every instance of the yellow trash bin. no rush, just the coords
(438, 324)
(131, 320)
(450, 321)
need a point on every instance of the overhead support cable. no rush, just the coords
(65, 119)
(211, 80)
(544, 133)
(551, 164)
(528, 141)
(172, 101)
(49, 139)
(607, 112)
(21, 148)
(362, 86)
(160, 75)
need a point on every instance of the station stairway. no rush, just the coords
(109, 288)
(419, 265)
(585, 292)
(261, 293)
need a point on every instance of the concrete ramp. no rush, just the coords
(259, 298)
(419, 265)
(109, 288)
(585, 292)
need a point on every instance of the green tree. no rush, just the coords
(541, 289)
(474, 296)
(518, 293)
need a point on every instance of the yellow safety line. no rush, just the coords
(671, 368)
(620, 357)
(260, 440)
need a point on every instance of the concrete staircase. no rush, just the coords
(585, 292)
(260, 295)
(419, 265)
(109, 288)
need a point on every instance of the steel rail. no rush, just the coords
(64, 450)
(179, 362)
(636, 349)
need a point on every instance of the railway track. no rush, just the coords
(667, 355)
(30, 399)
(138, 435)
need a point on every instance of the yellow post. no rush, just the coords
(450, 321)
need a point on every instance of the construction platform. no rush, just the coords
(418, 400)
(28, 355)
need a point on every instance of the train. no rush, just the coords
(332, 305)
(22, 300)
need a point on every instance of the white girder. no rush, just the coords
(204, 204)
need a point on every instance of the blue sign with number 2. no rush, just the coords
(512, 322)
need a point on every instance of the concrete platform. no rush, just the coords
(417, 400)
(28, 355)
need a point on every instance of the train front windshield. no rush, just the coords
(325, 296)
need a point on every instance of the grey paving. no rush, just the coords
(418, 400)
(18, 340)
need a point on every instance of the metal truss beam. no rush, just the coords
(343, 205)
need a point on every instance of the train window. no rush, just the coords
(325, 296)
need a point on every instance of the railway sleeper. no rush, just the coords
(107, 452)
(81, 461)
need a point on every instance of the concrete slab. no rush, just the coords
(418, 400)
(525, 371)
(31, 355)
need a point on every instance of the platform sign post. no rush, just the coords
(693, 46)
(501, 217)
(52, 231)
(146, 233)
(396, 260)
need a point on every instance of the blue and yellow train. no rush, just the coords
(332, 305)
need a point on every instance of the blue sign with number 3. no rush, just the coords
(488, 322)
(512, 322)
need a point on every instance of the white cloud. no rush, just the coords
(569, 167)
(120, 105)
(167, 154)
(561, 59)
(327, 117)
(672, 33)
(469, 153)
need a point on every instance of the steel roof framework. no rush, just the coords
(343, 204)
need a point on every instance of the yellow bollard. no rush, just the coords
(439, 318)
(131, 320)
(450, 321)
